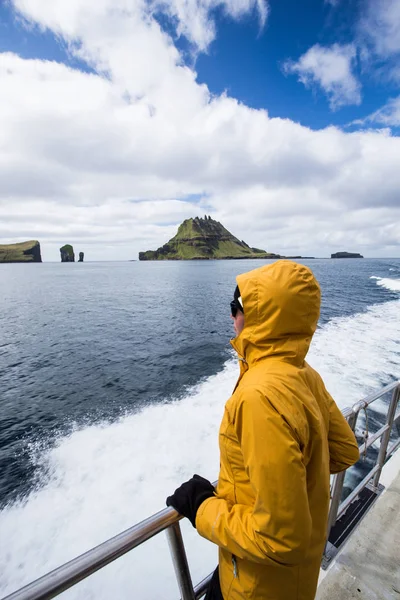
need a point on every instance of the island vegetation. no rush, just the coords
(204, 239)
(23, 252)
(67, 253)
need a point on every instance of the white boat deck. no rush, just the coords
(368, 566)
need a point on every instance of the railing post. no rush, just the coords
(386, 436)
(337, 486)
(179, 559)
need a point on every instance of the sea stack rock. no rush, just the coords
(67, 253)
(24, 252)
(81, 257)
(346, 255)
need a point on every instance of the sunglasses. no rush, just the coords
(235, 306)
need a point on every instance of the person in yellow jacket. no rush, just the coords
(280, 438)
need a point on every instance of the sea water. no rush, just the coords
(113, 379)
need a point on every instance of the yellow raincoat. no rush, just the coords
(281, 436)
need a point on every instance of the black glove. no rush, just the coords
(187, 498)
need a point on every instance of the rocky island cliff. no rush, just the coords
(204, 239)
(67, 253)
(346, 255)
(24, 252)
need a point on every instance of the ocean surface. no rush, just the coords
(113, 379)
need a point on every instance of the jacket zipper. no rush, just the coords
(243, 370)
(234, 563)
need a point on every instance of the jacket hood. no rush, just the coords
(281, 304)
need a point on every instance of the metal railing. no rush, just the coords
(71, 573)
(337, 508)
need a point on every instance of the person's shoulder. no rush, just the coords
(311, 372)
(247, 394)
(272, 396)
(315, 382)
(254, 395)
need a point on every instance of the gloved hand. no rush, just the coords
(187, 498)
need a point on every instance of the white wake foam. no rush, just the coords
(358, 354)
(104, 478)
(388, 283)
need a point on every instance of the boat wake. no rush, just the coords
(388, 283)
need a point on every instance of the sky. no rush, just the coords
(121, 118)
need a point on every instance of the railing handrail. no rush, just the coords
(337, 508)
(63, 577)
(365, 402)
(60, 579)
(374, 396)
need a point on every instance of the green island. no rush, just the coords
(23, 252)
(204, 239)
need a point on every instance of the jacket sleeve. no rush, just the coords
(343, 448)
(277, 528)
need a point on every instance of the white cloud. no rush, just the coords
(375, 49)
(194, 17)
(380, 27)
(112, 163)
(378, 38)
(331, 69)
(388, 115)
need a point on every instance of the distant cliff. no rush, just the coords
(67, 253)
(346, 255)
(204, 239)
(24, 252)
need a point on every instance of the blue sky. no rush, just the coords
(29, 40)
(131, 115)
(247, 61)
